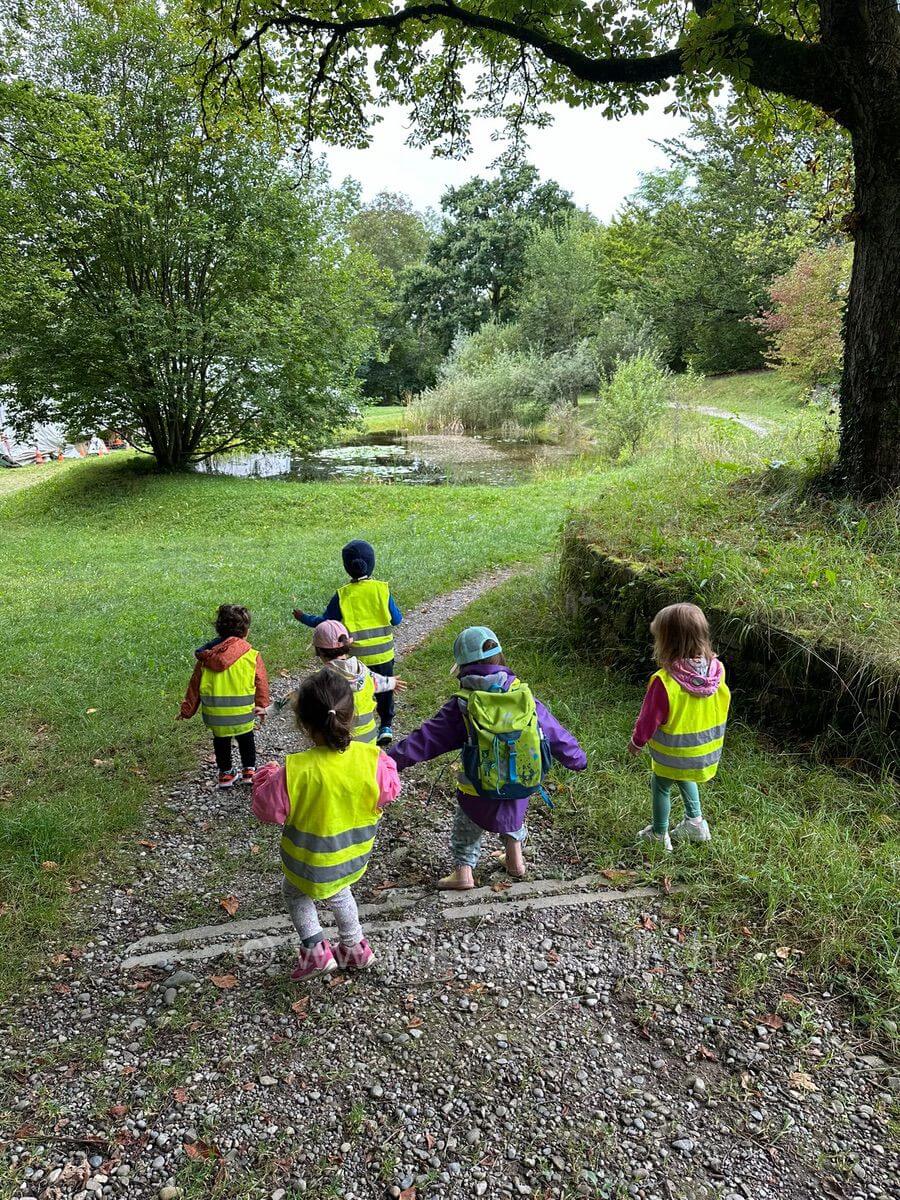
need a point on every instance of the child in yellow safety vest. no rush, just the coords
(230, 687)
(333, 644)
(370, 613)
(328, 799)
(682, 721)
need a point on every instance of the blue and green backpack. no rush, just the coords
(505, 756)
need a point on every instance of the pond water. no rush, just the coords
(400, 458)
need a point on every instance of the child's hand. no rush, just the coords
(400, 685)
(634, 750)
(299, 614)
(260, 713)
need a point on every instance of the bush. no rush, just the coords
(568, 373)
(804, 323)
(632, 402)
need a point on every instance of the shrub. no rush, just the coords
(632, 402)
(568, 373)
(804, 323)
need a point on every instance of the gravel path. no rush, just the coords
(761, 428)
(590, 1049)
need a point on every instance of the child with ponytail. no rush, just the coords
(329, 800)
(682, 721)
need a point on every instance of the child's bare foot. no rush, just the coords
(515, 859)
(460, 879)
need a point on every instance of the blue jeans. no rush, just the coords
(465, 839)
(661, 791)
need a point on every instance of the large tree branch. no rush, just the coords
(769, 61)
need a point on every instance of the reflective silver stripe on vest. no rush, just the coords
(225, 701)
(380, 631)
(679, 740)
(365, 718)
(686, 764)
(223, 720)
(324, 874)
(369, 736)
(319, 844)
(363, 652)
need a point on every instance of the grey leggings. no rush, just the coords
(302, 911)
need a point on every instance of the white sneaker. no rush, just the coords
(647, 835)
(692, 829)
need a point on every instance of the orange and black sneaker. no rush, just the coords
(226, 779)
(248, 774)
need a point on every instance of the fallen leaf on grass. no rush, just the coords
(746, 931)
(475, 988)
(254, 849)
(501, 886)
(4, 909)
(772, 1021)
(613, 874)
(705, 1052)
(552, 957)
(200, 1150)
(101, 762)
(790, 998)
(784, 952)
(802, 1081)
(128, 1069)
(230, 903)
(117, 1110)
(57, 960)
(49, 865)
(408, 1193)
(140, 985)
(409, 1002)
(646, 922)
(300, 1008)
(387, 886)
(180, 1096)
(62, 989)
(429, 1140)
(147, 845)
(224, 981)
(90, 710)
(413, 1022)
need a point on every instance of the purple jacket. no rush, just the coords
(446, 731)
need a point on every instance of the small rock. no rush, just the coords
(169, 1192)
(268, 1080)
(685, 1145)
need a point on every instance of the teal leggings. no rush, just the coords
(661, 791)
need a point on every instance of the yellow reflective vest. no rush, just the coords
(329, 833)
(365, 608)
(689, 744)
(366, 728)
(227, 697)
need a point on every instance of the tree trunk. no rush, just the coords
(869, 458)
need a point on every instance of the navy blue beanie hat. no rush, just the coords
(359, 559)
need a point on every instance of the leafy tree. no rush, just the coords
(567, 283)
(407, 355)
(474, 269)
(805, 320)
(840, 57)
(195, 296)
(632, 402)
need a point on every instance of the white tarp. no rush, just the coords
(45, 440)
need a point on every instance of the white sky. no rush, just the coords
(598, 161)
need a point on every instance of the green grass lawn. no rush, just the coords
(384, 418)
(16, 479)
(109, 578)
(802, 855)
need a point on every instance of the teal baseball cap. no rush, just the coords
(469, 645)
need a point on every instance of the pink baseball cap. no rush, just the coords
(331, 635)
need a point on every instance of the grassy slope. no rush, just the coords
(16, 479)
(108, 580)
(765, 394)
(749, 538)
(804, 855)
